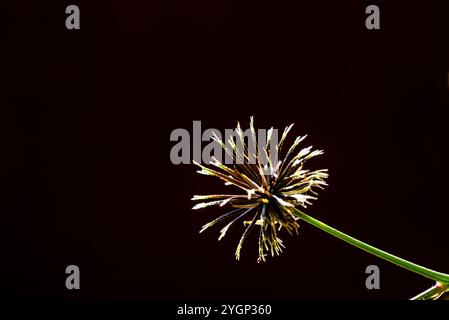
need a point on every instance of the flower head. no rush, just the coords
(272, 186)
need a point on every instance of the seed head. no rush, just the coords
(272, 187)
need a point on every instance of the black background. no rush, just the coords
(86, 117)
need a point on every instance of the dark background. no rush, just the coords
(86, 117)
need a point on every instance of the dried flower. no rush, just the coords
(269, 199)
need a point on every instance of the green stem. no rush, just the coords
(432, 293)
(425, 272)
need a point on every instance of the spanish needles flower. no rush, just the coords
(271, 200)
(272, 186)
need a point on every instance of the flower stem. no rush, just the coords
(432, 293)
(425, 272)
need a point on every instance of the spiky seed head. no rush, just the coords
(268, 199)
